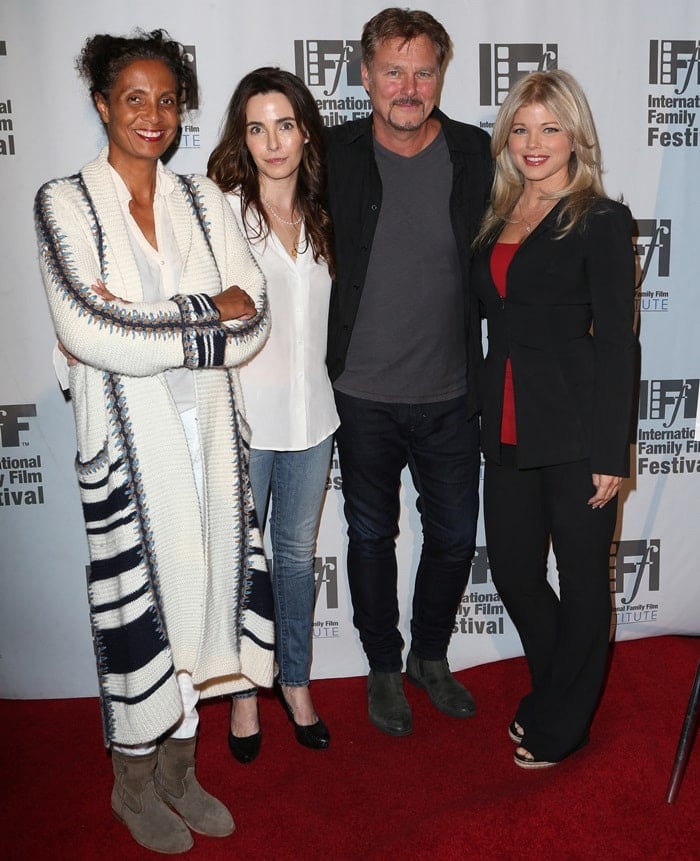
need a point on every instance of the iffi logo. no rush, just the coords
(674, 63)
(326, 575)
(480, 567)
(653, 244)
(322, 63)
(500, 66)
(631, 562)
(668, 400)
(11, 423)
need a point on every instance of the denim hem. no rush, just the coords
(280, 681)
(246, 694)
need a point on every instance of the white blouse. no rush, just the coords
(159, 269)
(288, 396)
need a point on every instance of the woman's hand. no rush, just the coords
(606, 487)
(103, 292)
(234, 304)
(70, 358)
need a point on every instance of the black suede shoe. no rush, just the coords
(445, 692)
(388, 707)
(315, 735)
(245, 749)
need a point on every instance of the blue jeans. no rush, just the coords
(294, 482)
(440, 446)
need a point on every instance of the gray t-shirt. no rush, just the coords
(408, 341)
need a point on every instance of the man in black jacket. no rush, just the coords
(407, 188)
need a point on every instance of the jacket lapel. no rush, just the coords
(120, 273)
(180, 211)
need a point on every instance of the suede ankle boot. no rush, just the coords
(177, 785)
(135, 803)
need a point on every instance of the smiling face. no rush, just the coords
(141, 112)
(540, 148)
(273, 137)
(402, 83)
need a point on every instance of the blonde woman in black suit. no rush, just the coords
(554, 274)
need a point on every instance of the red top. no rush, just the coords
(501, 257)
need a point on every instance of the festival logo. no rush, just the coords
(666, 443)
(502, 64)
(331, 70)
(7, 137)
(653, 249)
(21, 479)
(334, 480)
(674, 107)
(189, 133)
(326, 581)
(12, 421)
(326, 578)
(634, 576)
(481, 610)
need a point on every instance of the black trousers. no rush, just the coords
(565, 637)
(440, 445)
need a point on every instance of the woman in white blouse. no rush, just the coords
(269, 161)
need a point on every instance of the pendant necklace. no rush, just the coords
(529, 226)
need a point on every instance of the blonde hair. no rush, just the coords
(563, 97)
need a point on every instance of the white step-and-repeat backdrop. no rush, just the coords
(640, 65)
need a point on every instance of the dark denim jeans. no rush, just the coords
(441, 448)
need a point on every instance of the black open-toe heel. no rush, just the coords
(527, 760)
(516, 732)
(315, 736)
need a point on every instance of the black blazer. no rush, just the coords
(567, 325)
(355, 198)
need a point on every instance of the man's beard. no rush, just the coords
(407, 125)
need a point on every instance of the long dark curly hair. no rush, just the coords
(232, 167)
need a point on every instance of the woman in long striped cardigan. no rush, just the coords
(138, 265)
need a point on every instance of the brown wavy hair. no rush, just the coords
(232, 167)
(406, 24)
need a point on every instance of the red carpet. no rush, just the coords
(449, 791)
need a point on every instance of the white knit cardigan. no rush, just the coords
(168, 590)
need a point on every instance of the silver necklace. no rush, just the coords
(272, 209)
(529, 226)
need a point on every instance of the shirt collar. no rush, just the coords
(164, 184)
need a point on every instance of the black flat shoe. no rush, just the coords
(315, 735)
(245, 749)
